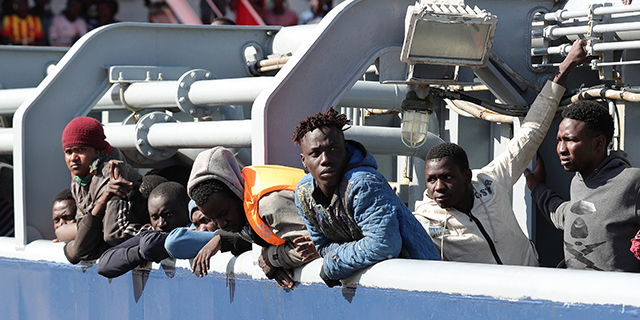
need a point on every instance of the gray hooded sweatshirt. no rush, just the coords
(600, 219)
(277, 209)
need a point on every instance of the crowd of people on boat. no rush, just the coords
(342, 210)
(39, 26)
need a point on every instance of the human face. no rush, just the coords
(79, 158)
(226, 210)
(325, 155)
(203, 223)
(447, 184)
(64, 212)
(166, 214)
(579, 148)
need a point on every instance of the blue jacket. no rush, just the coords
(365, 221)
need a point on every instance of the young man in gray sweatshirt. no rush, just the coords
(602, 215)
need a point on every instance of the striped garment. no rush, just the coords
(22, 31)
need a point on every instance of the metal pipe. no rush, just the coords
(203, 134)
(6, 141)
(236, 134)
(228, 91)
(597, 47)
(240, 91)
(11, 99)
(477, 111)
(386, 140)
(562, 15)
(555, 32)
(603, 93)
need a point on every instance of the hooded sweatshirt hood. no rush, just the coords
(359, 156)
(611, 166)
(220, 164)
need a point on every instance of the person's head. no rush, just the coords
(21, 8)
(223, 21)
(64, 209)
(199, 220)
(280, 4)
(448, 175)
(139, 197)
(218, 203)
(168, 207)
(106, 10)
(320, 6)
(83, 140)
(74, 9)
(324, 150)
(584, 136)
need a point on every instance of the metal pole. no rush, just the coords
(240, 91)
(555, 32)
(203, 134)
(597, 47)
(562, 15)
(236, 134)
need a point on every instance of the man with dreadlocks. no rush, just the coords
(100, 185)
(256, 204)
(602, 215)
(353, 216)
(468, 213)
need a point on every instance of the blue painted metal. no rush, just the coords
(45, 290)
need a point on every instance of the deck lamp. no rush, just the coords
(447, 33)
(415, 120)
(441, 32)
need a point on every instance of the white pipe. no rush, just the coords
(562, 15)
(11, 99)
(555, 32)
(236, 134)
(203, 134)
(597, 47)
(386, 140)
(240, 91)
(6, 141)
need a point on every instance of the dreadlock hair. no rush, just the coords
(64, 195)
(201, 192)
(330, 118)
(452, 151)
(595, 117)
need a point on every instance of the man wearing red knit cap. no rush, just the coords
(100, 185)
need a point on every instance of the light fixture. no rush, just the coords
(447, 33)
(444, 33)
(415, 119)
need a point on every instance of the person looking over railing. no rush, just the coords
(101, 182)
(353, 216)
(468, 213)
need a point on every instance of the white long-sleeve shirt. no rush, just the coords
(456, 235)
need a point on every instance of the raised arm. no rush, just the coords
(508, 166)
(114, 206)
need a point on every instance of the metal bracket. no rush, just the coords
(130, 74)
(142, 131)
(133, 154)
(182, 99)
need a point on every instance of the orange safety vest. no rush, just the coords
(260, 180)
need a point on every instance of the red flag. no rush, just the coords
(247, 15)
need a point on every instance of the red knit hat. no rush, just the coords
(84, 131)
